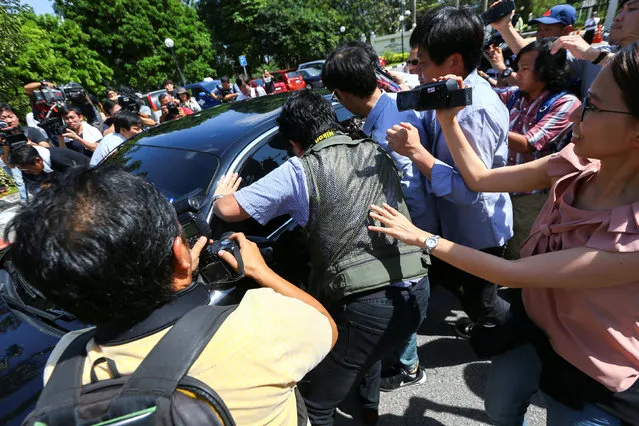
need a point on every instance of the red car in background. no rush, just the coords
(382, 61)
(279, 86)
(291, 77)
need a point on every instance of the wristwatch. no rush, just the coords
(430, 243)
(217, 197)
(506, 73)
(599, 58)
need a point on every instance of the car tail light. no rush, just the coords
(153, 106)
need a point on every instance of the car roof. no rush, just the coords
(215, 130)
(319, 61)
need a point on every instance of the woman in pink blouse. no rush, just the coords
(579, 269)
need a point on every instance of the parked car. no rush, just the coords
(154, 103)
(197, 150)
(280, 87)
(382, 61)
(291, 77)
(202, 93)
(312, 77)
(314, 64)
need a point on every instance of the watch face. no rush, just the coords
(506, 72)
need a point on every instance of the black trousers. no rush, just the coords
(370, 327)
(478, 297)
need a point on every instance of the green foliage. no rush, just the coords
(395, 58)
(129, 36)
(12, 18)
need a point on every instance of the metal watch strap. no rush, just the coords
(217, 197)
(428, 249)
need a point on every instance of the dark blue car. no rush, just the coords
(201, 92)
(181, 158)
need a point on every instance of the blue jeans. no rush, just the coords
(408, 357)
(371, 326)
(514, 378)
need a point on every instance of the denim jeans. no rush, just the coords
(370, 326)
(512, 381)
(408, 357)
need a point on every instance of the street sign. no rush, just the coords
(243, 62)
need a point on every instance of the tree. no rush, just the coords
(129, 37)
(12, 18)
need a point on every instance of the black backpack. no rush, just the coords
(156, 392)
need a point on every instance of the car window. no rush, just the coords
(277, 77)
(312, 72)
(174, 172)
(196, 90)
(292, 74)
(272, 153)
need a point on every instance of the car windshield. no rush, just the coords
(174, 172)
(311, 72)
(292, 74)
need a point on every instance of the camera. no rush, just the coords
(213, 270)
(438, 95)
(129, 103)
(173, 110)
(498, 11)
(11, 137)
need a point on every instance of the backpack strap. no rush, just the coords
(173, 356)
(65, 382)
(548, 102)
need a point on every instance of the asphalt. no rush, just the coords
(455, 379)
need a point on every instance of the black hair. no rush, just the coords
(625, 71)
(108, 105)
(110, 89)
(241, 81)
(126, 119)
(72, 108)
(305, 116)
(6, 107)
(109, 261)
(349, 68)
(224, 79)
(447, 30)
(162, 96)
(552, 70)
(372, 55)
(167, 81)
(23, 155)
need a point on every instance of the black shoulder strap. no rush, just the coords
(174, 354)
(63, 387)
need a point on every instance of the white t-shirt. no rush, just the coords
(254, 93)
(89, 134)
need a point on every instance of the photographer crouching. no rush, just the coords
(131, 275)
(14, 135)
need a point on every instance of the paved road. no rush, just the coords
(452, 394)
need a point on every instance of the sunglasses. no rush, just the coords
(413, 62)
(587, 106)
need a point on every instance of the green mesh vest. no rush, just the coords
(344, 178)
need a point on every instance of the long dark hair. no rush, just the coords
(625, 71)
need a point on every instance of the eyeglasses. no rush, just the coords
(413, 62)
(587, 106)
(334, 97)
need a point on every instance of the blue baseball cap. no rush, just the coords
(561, 14)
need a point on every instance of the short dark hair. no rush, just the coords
(162, 96)
(7, 107)
(224, 79)
(110, 89)
(625, 71)
(167, 81)
(447, 30)
(108, 105)
(552, 70)
(110, 261)
(242, 81)
(23, 155)
(350, 69)
(72, 108)
(126, 119)
(305, 116)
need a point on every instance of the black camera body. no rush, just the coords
(129, 103)
(11, 137)
(173, 110)
(213, 270)
(498, 11)
(438, 95)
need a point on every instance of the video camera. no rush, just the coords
(498, 11)
(438, 95)
(11, 137)
(212, 268)
(128, 100)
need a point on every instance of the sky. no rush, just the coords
(40, 6)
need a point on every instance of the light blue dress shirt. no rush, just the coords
(421, 204)
(475, 219)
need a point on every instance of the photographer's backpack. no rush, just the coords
(157, 393)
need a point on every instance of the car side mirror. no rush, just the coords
(201, 95)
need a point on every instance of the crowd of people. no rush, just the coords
(527, 188)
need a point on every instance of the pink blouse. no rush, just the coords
(595, 329)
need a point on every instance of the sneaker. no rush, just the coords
(464, 328)
(402, 379)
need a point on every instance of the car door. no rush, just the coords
(203, 97)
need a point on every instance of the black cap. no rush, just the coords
(224, 79)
